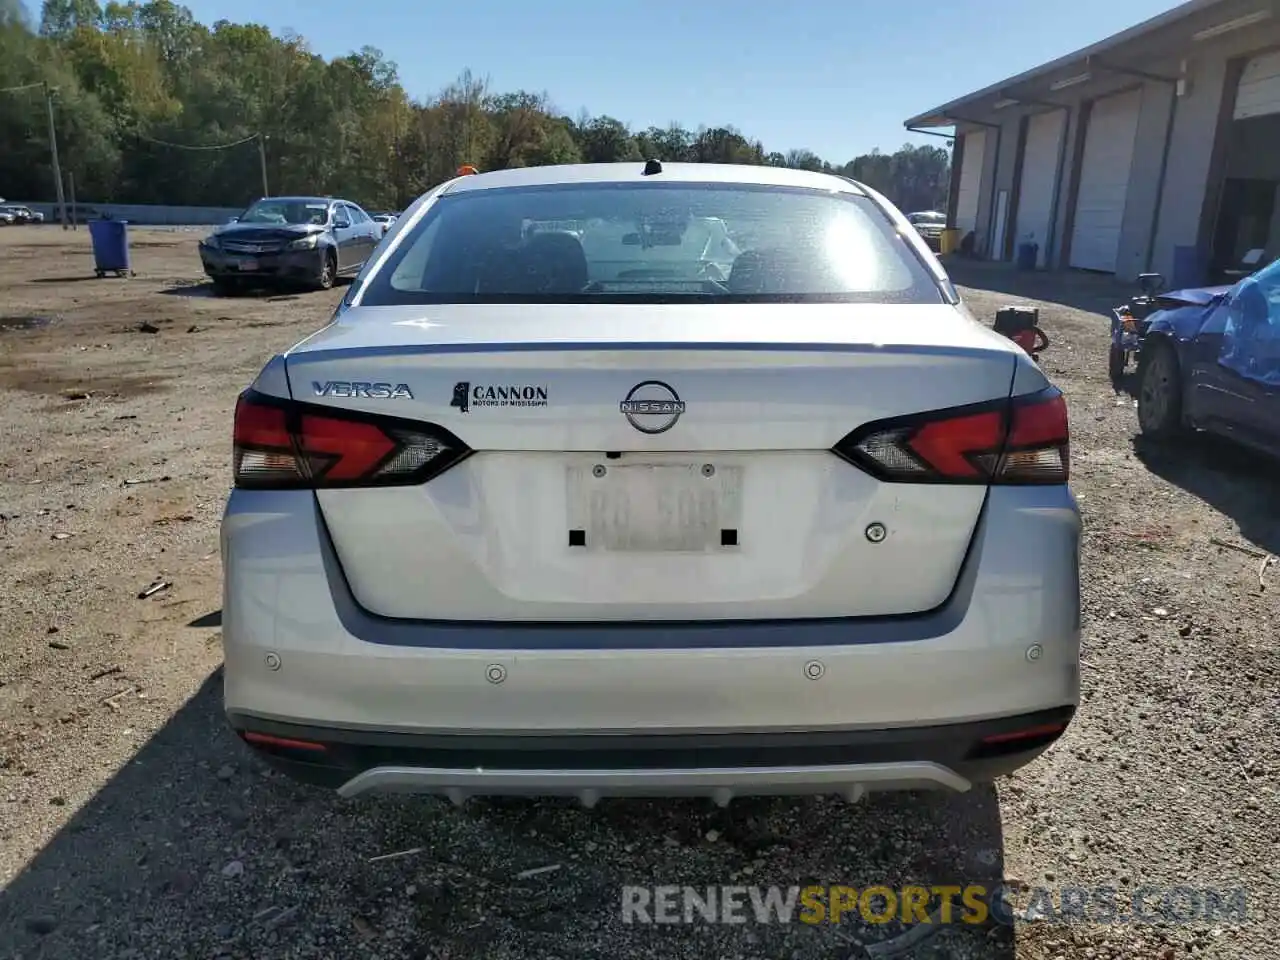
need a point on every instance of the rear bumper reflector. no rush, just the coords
(283, 743)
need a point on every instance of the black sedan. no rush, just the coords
(290, 240)
(929, 225)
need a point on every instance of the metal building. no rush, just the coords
(1155, 149)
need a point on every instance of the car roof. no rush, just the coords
(671, 173)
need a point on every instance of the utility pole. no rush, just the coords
(71, 189)
(53, 151)
(262, 160)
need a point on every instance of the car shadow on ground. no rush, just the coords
(1078, 289)
(211, 619)
(271, 294)
(195, 849)
(77, 278)
(1232, 479)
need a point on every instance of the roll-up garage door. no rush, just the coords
(1259, 92)
(1104, 181)
(1039, 179)
(971, 158)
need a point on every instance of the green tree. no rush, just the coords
(606, 140)
(672, 143)
(60, 17)
(12, 13)
(724, 145)
(526, 132)
(153, 106)
(804, 160)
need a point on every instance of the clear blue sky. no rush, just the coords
(835, 76)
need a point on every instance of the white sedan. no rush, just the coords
(539, 516)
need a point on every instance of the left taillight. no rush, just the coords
(281, 444)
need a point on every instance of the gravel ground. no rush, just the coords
(133, 825)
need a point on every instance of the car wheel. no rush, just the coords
(1115, 363)
(328, 271)
(1160, 392)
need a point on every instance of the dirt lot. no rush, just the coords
(133, 825)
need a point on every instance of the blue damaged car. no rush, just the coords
(1211, 361)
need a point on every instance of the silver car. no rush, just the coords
(20, 214)
(524, 520)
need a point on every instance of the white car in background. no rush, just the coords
(523, 519)
(21, 214)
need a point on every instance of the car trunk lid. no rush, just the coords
(642, 463)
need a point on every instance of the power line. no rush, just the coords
(25, 86)
(162, 143)
(260, 138)
(53, 144)
(183, 146)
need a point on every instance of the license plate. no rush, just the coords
(248, 265)
(645, 507)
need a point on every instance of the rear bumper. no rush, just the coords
(783, 706)
(948, 757)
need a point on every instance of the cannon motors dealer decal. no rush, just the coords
(466, 395)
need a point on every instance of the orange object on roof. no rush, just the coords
(467, 170)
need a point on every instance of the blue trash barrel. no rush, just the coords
(1188, 268)
(1027, 254)
(110, 240)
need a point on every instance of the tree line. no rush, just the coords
(152, 106)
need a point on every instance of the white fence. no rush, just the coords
(143, 214)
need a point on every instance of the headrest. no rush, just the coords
(551, 263)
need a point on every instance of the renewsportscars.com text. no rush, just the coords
(973, 904)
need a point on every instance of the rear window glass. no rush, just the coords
(648, 242)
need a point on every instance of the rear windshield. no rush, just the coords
(648, 242)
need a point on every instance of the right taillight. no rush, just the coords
(281, 444)
(1022, 440)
